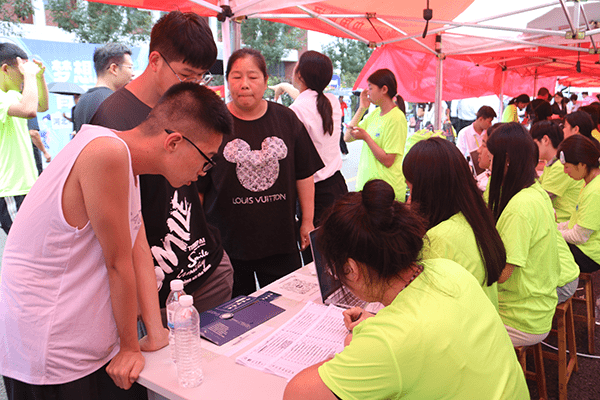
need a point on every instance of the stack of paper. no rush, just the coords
(313, 335)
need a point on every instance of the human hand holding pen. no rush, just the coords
(354, 316)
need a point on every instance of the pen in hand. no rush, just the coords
(354, 320)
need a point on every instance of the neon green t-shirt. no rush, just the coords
(528, 299)
(439, 339)
(454, 239)
(389, 132)
(510, 114)
(566, 189)
(596, 134)
(569, 270)
(17, 169)
(587, 215)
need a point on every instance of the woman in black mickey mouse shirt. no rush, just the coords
(251, 194)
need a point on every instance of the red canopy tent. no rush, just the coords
(416, 75)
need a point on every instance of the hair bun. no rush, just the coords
(378, 199)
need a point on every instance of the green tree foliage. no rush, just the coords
(13, 12)
(272, 39)
(101, 23)
(350, 56)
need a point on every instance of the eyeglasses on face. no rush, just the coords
(209, 161)
(205, 80)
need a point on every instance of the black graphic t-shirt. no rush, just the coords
(183, 245)
(251, 193)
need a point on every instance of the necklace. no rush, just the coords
(417, 272)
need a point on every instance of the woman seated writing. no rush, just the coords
(460, 226)
(525, 220)
(437, 337)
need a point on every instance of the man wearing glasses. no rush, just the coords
(183, 246)
(114, 69)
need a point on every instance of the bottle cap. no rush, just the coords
(176, 284)
(186, 300)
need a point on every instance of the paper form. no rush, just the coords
(316, 333)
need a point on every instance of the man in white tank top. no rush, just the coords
(77, 266)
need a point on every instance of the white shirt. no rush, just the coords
(328, 146)
(56, 317)
(468, 140)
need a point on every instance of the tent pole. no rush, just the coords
(501, 108)
(438, 92)
(227, 40)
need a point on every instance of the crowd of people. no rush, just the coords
(466, 247)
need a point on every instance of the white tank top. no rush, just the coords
(56, 319)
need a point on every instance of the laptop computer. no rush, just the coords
(332, 290)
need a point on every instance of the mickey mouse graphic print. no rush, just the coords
(251, 194)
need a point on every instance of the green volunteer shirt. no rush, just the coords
(439, 339)
(454, 239)
(510, 114)
(389, 132)
(527, 300)
(569, 270)
(17, 168)
(555, 181)
(587, 215)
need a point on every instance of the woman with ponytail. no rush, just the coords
(321, 115)
(510, 113)
(459, 225)
(383, 132)
(438, 336)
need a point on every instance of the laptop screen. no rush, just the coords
(327, 282)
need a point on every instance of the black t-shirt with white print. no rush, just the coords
(250, 195)
(183, 245)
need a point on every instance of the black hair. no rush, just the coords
(539, 110)
(384, 77)
(544, 92)
(583, 121)
(110, 53)
(9, 53)
(400, 103)
(256, 55)
(373, 229)
(516, 153)
(547, 128)
(188, 103)
(184, 37)
(522, 98)
(316, 71)
(446, 187)
(486, 112)
(580, 149)
(594, 111)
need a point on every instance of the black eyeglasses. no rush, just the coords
(209, 161)
(205, 80)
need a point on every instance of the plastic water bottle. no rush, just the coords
(187, 342)
(172, 305)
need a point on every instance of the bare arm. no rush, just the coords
(37, 141)
(363, 107)
(42, 88)
(308, 385)
(387, 159)
(306, 197)
(506, 273)
(28, 106)
(285, 87)
(158, 336)
(107, 206)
